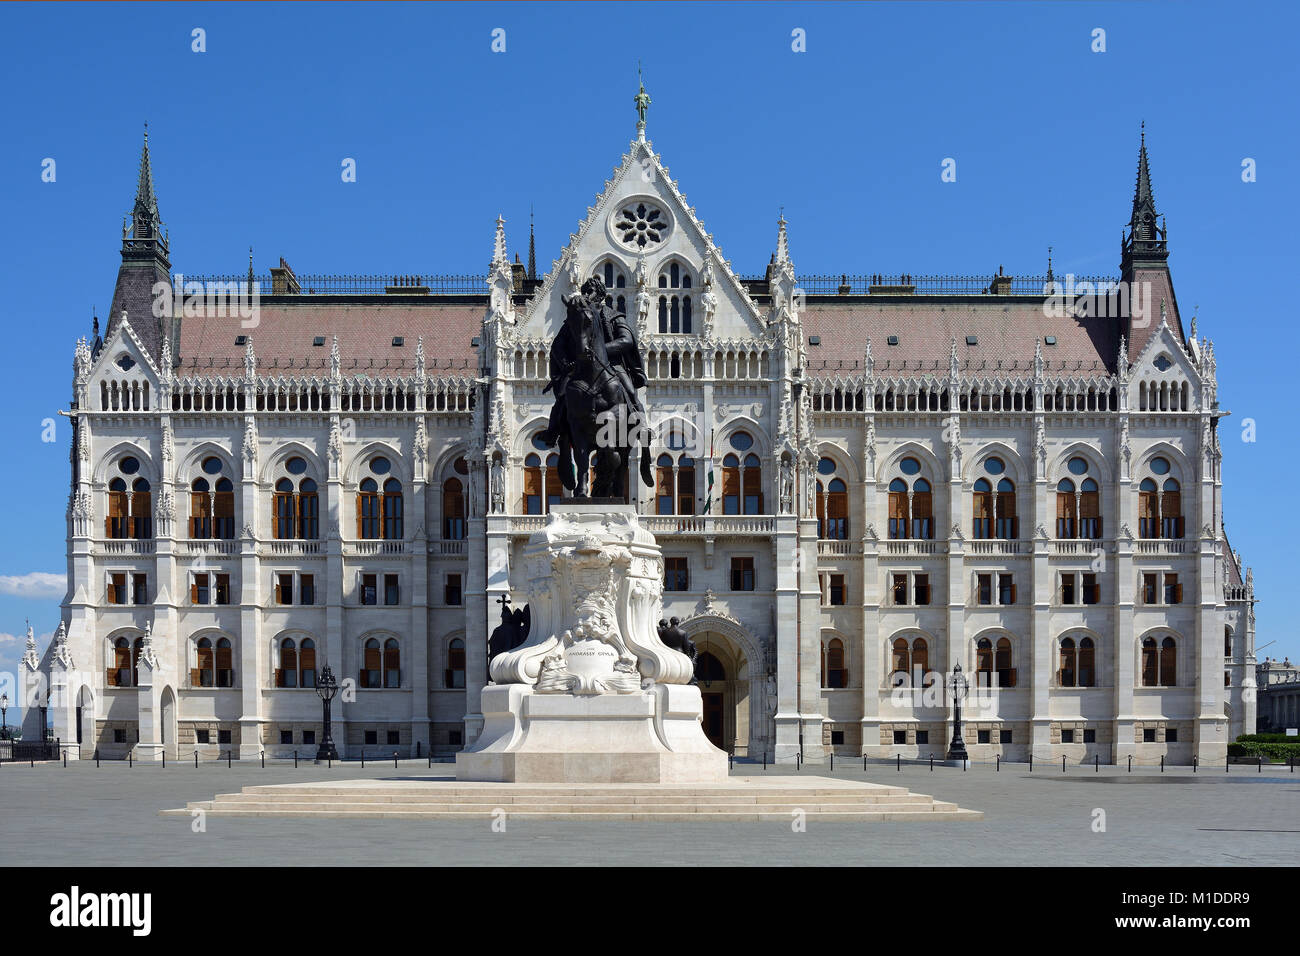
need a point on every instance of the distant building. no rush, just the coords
(1279, 695)
(861, 482)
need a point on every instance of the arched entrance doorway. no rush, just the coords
(712, 679)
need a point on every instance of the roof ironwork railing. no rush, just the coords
(906, 284)
(358, 284)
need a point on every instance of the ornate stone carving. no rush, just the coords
(250, 441)
(708, 299)
(787, 485)
(335, 449)
(594, 594)
(147, 654)
(168, 443)
(30, 656)
(62, 653)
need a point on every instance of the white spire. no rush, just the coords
(499, 245)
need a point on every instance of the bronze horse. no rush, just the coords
(600, 408)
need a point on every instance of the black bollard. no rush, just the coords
(1162, 763)
(1194, 762)
(1226, 765)
(65, 760)
(196, 758)
(164, 759)
(1130, 763)
(931, 762)
(1062, 763)
(295, 760)
(394, 759)
(1031, 761)
(96, 756)
(329, 763)
(731, 761)
(864, 763)
(430, 757)
(228, 753)
(832, 761)
(1096, 763)
(898, 760)
(798, 761)
(964, 761)
(997, 765)
(130, 758)
(363, 758)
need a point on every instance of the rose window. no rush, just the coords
(640, 225)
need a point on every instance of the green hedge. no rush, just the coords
(1267, 739)
(1278, 753)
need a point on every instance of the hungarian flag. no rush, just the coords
(708, 501)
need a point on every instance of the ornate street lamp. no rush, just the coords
(327, 687)
(958, 687)
(4, 720)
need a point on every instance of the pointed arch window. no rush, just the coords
(371, 665)
(1078, 663)
(204, 673)
(119, 669)
(1148, 509)
(1159, 662)
(675, 307)
(368, 523)
(392, 663)
(286, 675)
(685, 485)
(454, 677)
(1171, 510)
(532, 503)
(665, 493)
(832, 503)
(453, 510)
(141, 510)
(283, 518)
(834, 673)
(392, 509)
(116, 522)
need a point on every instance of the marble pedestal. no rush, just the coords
(653, 736)
(593, 695)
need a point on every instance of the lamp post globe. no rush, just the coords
(326, 687)
(957, 687)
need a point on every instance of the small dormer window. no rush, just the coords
(1049, 339)
(972, 340)
(318, 341)
(892, 340)
(398, 341)
(241, 339)
(125, 362)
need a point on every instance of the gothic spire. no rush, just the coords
(146, 223)
(532, 247)
(782, 241)
(499, 256)
(1146, 238)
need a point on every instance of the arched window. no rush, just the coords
(392, 663)
(553, 486)
(371, 664)
(203, 675)
(1002, 663)
(674, 300)
(901, 663)
(983, 662)
(1159, 662)
(286, 675)
(921, 659)
(532, 503)
(212, 507)
(911, 503)
(368, 523)
(307, 663)
(116, 521)
(1066, 675)
(1171, 510)
(455, 674)
(308, 510)
(225, 663)
(295, 508)
(283, 523)
(1078, 663)
(982, 510)
(1087, 663)
(119, 670)
(1004, 510)
(685, 485)
(832, 503)
(664, 485)
(141, 510)
(200, 509)
(1089, 510)
(731, 485)
(1148, 509)
(1066, 515)
(834, 673)
(393, 509)
(752, 479)
(615, 280)
(453, 510)
(1168, 662)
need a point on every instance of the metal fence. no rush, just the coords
(12, 750)
(940, 285)
(356, 284)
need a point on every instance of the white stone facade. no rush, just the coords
(743, 367)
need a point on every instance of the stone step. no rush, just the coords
(431, 806)
(648, 815)
(431, 798)
(510, 799)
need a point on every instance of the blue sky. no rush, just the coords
(848, 136)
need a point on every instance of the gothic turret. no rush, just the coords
(1146, 238)
(145, 261)
(1144, 265)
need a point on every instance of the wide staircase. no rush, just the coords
(739, 799)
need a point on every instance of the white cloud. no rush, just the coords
(36, 584)
(9, 639)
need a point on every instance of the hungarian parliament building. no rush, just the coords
(861, 483)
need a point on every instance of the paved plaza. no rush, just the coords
(81, 815)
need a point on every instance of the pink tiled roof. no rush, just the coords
(1007, 332)
(282, 340)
